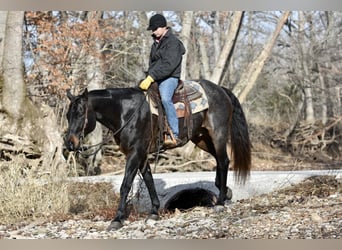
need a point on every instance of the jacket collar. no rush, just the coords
(167, 34)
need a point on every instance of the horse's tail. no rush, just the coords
(240, 142)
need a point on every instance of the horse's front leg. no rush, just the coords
(145, 170)
(131, 169)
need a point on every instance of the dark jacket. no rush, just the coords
(166, 57)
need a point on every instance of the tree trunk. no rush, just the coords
(3, 19)
(145, 42)
(307, 82)
(309, 111)
(204, 59)
(324, 84)
(186, 32)
(249, 77)
(95, 79)
(216, 35)
(324, 97)
(13, 86)
(232, 34)
(338, 108)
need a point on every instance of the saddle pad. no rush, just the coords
(196, 105)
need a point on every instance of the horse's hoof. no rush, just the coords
(114, 225)
(153, 217)
(228, 202)
(229, 193)
(218, 208)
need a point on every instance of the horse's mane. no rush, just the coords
(110, 92)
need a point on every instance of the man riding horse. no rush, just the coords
(165, 68)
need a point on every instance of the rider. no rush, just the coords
(165, 68)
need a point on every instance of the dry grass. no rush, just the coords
(28, 193)
(92, 199)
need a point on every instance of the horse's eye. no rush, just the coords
(80, 109)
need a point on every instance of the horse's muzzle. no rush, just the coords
(72, 142)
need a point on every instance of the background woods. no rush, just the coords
(285, 67)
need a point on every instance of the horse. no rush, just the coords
(126, 112)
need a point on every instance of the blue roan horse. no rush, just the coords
(126, 112)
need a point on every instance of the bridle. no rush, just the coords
(85, 123)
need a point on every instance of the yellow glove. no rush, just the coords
(145, 84)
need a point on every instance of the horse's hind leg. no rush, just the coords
(219, 152)
(221, 176)
(148, 179)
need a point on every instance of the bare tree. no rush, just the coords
(230, 38)
(32, 131)
(13, 89)
(249, 77)
(145, 41)
(185, 35)
(307, 81)
(3, 19)
(95, 78)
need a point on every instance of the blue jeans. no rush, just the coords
(167, 89)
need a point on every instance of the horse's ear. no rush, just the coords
(85, 94)
(69, 95)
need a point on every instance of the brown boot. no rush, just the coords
(169, 142)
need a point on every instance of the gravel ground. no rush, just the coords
(309, 210)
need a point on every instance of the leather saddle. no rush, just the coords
(185, 91)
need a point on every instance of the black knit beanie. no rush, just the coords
(157, 21)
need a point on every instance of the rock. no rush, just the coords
(316, 218)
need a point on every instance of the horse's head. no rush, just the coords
(80, 119)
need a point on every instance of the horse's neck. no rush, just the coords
(108, 107)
